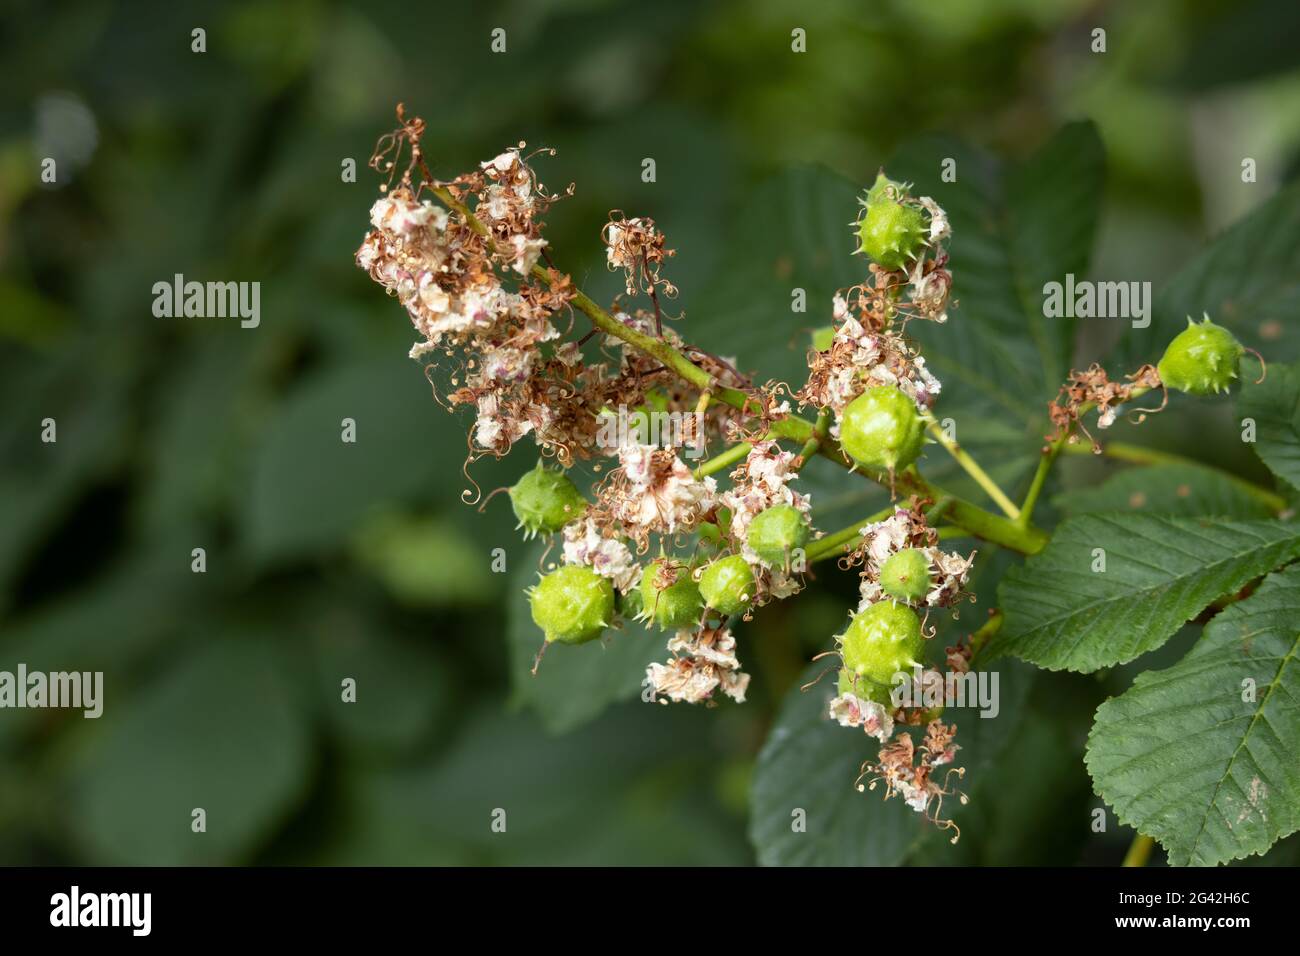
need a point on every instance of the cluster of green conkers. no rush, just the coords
(573, 604)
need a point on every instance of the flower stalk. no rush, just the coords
(1017, 536)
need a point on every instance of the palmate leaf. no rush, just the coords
(810, 763)
(219, 729)
(1015, 227)
(1247, 279)
(1274, 404)
(1190, 758)
(1159, 573)
(1187, 490)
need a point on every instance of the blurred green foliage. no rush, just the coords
(327, 560)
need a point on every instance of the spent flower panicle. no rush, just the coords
(645, 537)
(1093, 388)
(495, 320)
(636, 246)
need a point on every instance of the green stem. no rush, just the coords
(1052, 451)
(1024, 538)
(993, 528)
(821, 428)
(986, 631)
(1139, 850)
(1045, 462)
(724, 459)
(845, 540)
(1137, 455)
(972, 468)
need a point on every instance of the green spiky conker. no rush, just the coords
(545, 501)
(890, 233)
(882, 430)
(676, 606)
(573, 604)
(823, 338)
(882, 641)
(776, 532)
(628, 604)
(727, 585)
(905, 575)
(863, 688)
(1202, 359)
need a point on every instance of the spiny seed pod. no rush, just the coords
(863, 688)
(1202, 358)
(882, 641)
(823, 338)
(727, 585)
(545, 501)
(882, 430)
(905, 575)
(573, 604)
(891, 233)
(673, 607)
(776, 532)
(628, 605)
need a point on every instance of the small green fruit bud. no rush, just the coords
(676, 606)
(905, 575)
(545, 501)
(864, 688)
(727, 585)
(891, 233)
(628, 605)
(573, 604)
(775, 533)
(1203, 358)
(882, 430)
(882, 641)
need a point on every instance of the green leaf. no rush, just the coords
(792, 233)
(1188, 757)
(402, 688)
(1274, 404)
(1247, 279)
(632, 788)
(573, 685)
(1174, 489)
(810, 763)
(1159, 573)
(222, 732)
(310, 489)
(1014, 228)
(42, 480)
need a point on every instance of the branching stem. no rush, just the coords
(1137, 455)
(1022, 537)
(1139, 850)
(972, 468)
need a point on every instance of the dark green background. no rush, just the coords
(328, 560)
